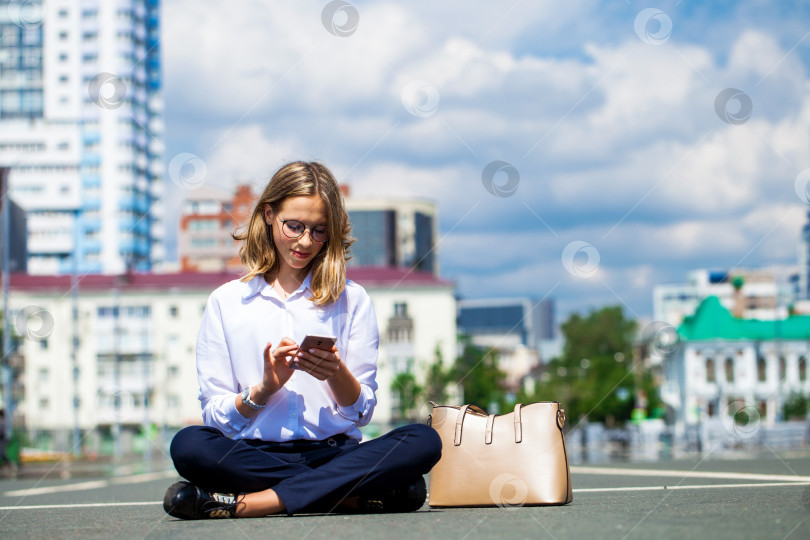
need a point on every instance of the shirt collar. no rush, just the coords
(258, 284)
(255, 286)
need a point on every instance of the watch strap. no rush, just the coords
(249, 402)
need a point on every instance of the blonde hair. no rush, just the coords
(258, 252)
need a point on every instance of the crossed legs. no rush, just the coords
(275, 480)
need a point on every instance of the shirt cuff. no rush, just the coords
(360, 411)
(227, 417)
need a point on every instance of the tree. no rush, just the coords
(796, 406)
(476, 370)
(408, 391)
(595, 376)
(437, 378)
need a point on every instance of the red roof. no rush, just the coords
(367, 276)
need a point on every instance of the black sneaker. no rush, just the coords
(186, 501)
(406, 499)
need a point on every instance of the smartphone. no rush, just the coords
(324, 343)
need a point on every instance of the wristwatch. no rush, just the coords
(247, 401)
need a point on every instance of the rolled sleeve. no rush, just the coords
(221, 412)
(218, 383)
(362, 353)
(360, 411)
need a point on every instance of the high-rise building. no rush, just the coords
(507, 321)
(394, 232)
(81, 130)
(208, 219)
(803, 292)
(17, 249)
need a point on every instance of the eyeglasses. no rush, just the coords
(293, 228)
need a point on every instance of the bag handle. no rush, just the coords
(460, 420)
(490, 423)
(518, 424)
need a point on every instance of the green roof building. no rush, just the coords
(726, 365)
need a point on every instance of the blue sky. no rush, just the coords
(628, 169)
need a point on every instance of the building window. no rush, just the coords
(762, 369)
(729, 369)
(173, 312)
(710, 374)
(782, 368)
(803, 368)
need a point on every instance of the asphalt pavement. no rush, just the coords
(762, 496)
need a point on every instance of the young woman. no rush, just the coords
(280, 429)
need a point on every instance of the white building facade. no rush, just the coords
(81, 130)
(725, 366)
(135, 361)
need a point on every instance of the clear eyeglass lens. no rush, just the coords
(295, 229)
(319, 234)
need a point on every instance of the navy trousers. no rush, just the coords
(306, 475)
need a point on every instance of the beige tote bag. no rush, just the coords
(509, 460)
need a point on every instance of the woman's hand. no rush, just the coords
(327, 366)
(277, 369)
(319, 363)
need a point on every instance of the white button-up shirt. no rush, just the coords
(240, 318)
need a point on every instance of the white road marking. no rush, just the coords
(583, 490)
(88, 505)
(93, 484)
(690, 474)
(703, 486)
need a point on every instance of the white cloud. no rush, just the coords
(246, 155)
(617, 142)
